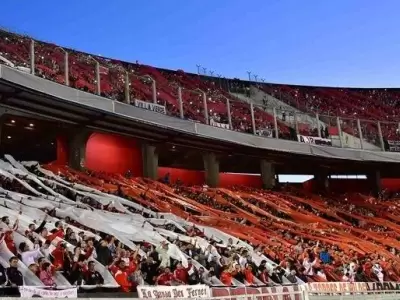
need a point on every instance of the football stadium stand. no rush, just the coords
(68, 227)
(344, 117)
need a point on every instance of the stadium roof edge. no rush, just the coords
(96, 111)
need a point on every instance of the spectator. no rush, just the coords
(46, 274)
(28, 256)
(207, 278)
(13, 274)
(378, 271)
(164, 257)
(324, 256)
(93, 277)
(79, 268)
(59, 255)
(3, 276)
(121, 274)
(226, 276)
(308, 264)
(8, 239)
(238, 273)
(104, 255)
(181, 274)
(38, 230)
(248, 274)
(292, 277)
(149, 270)
(215, 266)
(35, 269)
(166, 278)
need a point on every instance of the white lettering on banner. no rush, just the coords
(394, 146)
(220, 125)
(179, 291)
(151, 106)
(35, 292)
(290, 292)
(314, 140)
(336, 287)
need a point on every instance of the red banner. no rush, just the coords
(291, 292)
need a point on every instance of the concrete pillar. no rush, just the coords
(150, 161)
(321, 179)
(211, 169)
(267, 174)
(374, 180)
(77, 148)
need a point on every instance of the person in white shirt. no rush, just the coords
(308, 265)
(28, 256)
(164, 257)
(377, 269)
(321, 274)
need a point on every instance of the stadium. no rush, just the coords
(125, 180)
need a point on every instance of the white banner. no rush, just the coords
(394, 146)
(35, 292)
(336, 287)
(314, 140)
(217, 124)
(179, 291)
(151, 106)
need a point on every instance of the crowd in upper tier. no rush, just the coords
(350, 104)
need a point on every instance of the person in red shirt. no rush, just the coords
(58, 232)
(181, 274)
(89, 249)
(166, 278)
(248, 274)
(59, 254)
(121, 274)
(8, 239)
(264, 276)
(226, 276)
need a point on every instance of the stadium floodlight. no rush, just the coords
(263, 80)
(66, 65)
(255, 77)
(198, 69)
(97, 74)
(211, 73)
(204, 71)
(219, 79)
(249, 73)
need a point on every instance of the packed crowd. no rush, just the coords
(350, 104)
(294, 251)
(292, 237)
(50, 64)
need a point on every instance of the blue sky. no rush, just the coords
(315, 42)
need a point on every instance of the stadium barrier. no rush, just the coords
(318, 290)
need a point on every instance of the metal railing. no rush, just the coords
(258, 119)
